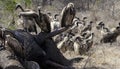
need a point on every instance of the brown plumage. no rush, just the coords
(111, 37)
(44, 22)
(27, 17)
(87, 28)
(68, 14)
(83, 45)
(15, 46)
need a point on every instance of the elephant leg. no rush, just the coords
(54, 53)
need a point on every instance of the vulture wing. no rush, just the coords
(16, 47)
(45, 24)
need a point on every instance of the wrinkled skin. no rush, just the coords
(44, 52)
(31, 48)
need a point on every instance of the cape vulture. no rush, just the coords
(68, 14)
(27, 17)
(43, 21)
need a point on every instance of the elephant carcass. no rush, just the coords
(44, 54)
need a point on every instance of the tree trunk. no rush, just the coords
(9, 63)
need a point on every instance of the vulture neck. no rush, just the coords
(21, 8)
(39, 13)
(55, 17)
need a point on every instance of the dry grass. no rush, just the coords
(101, 56)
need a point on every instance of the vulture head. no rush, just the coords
(91, 22)
(71, 6)
(117, 30)
(68, 14)
(49, 14)
(119, 23)
(84, 18)
(55, 16)
(100, 25)
(39, 9)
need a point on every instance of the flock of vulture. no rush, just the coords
(26, 48)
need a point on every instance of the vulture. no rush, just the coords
(16, 46)
(55, 24)
(43, 21)
(24, 48)
(102, 28)
(87, 28)
(84, 20)
(108, 35)
(50, 16)
(30, 47)
(111, 37)
(119, 23)
(99, 25)
(68, 14)
(27, 17)
(83, 45)
(11, 44)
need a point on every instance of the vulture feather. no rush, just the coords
(44, 22)
(28, 20)
(19, 6)
(68, 14)
(16, 46)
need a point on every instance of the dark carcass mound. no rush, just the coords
(37, 48)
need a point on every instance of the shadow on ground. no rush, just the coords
(93, 68)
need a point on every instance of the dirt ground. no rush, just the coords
(101, 56)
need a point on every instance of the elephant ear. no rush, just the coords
(68, 14)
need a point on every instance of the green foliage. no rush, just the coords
(98, 1)
(9, 5)
(28, 3)
(12, 27)
(8, 10)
